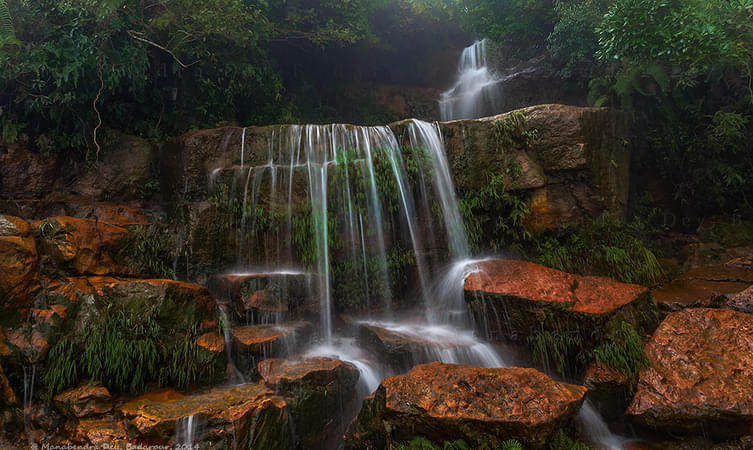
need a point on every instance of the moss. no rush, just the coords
(729, 233)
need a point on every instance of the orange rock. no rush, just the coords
(211, 341)
(699, 286)
(84, 400)
(32, 343)
(18, 262)
(268, 340)
(249, 415)
(517, 299)
(318, 371)
(7, 396)
(446, 402)
(83, 245)
(700, 372)
(102, 432)
(593, 295)
(599, 374)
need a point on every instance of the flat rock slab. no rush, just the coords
(249, 416)
(700, 372)
(268, 340)
(512, 298)
(314, 372)
(700, 286)
(446, 402)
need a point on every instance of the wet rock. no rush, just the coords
(263, 297)
(608, 388)
(319, 391)
(269, 340)
(742, 301)
(25, 174)
(7, 396)
(702, 285)
(700, 372)
(100, 431)
(514, 299)
(446, 402)
(212, 352)
(27, 345)
(579, 150)
(125, 170)
(401, 348)
(245, 416)
(179, 305)
(18, 262)
(84, 400)
(82, 246)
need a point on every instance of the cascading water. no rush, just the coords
(476, 92)
(356, 204)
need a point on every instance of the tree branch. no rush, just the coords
(135, 35)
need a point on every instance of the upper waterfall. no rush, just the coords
(475, 93)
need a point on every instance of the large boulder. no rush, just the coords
(248, 416)
(701, 286)
(82, 246)
(446, 402)
(581, 154)
(320, 392)
(87, 399)
(514, 299)
(18, 262)
(25, 174)
(700, 375)
(126, 169)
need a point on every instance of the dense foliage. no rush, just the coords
(158, 68)
(684, 67)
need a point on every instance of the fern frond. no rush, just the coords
(6, 21)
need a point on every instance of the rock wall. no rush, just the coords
(578, 166)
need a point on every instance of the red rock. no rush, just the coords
(249, 416)
(84, 400)
(18, 262)
(593, 295)
(446, 402)
(700, 286)
(514, 299)
(268, 340)
(82, 245)
(700, 372)
(318, 371)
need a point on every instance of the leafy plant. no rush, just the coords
(602, 246)
(623, 351)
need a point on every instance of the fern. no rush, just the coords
(6, 21)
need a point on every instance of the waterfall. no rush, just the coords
(475, 92)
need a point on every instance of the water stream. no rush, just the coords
(476, 91)
(367, 199)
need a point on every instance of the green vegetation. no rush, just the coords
(623, 351)
(127, 350)
(601, 246)
(561, 441)
(555, 350)
(147, 250)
